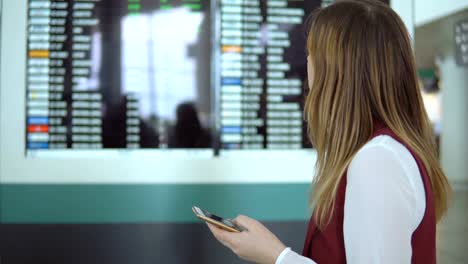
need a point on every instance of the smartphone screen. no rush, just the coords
(219, 219)
(216, 218)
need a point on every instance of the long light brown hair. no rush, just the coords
(363, 71)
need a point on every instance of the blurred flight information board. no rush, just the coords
(132, 74)
(106, 74)
(59, 48)
(263, 70)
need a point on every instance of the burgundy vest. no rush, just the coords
(327, 245)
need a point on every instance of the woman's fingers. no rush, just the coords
(244, 221)
(257, 245)
(221, 235)
(217, 232)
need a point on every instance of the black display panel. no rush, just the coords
(129, 74)
(118, 74)
(263, 73)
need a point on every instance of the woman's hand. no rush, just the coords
(256, 244)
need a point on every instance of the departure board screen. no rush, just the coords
(118, 74)
(263, 73)
(158, 74)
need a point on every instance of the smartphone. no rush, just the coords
(218, 221)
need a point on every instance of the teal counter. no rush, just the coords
(117, 203)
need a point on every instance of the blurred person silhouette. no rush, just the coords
(188, 131)
(114, 128)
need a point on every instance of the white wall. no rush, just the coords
(454, 137)
(430, 10)
(434, 46)
(434, 37)
(404, 8)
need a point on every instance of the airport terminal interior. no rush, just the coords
(118, 116)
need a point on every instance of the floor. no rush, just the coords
(452, 241)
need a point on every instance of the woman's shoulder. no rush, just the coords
(389, 168)
(385, 160)
(385, 153)
(385, 149)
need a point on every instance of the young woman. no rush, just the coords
(379, 189)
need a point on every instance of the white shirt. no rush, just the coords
(384, 204)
